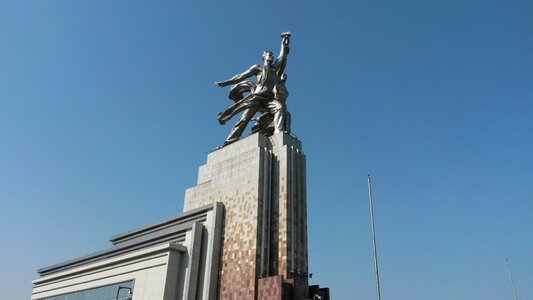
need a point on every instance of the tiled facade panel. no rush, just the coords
(270, 288)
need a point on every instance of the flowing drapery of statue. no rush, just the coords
(267, 96)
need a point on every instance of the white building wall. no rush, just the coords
(147, 267)
(174, 259)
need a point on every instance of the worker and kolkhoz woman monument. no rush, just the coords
(267, 96)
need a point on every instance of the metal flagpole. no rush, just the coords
(511, 276)
(374, 238)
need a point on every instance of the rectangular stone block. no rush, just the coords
(270, 288)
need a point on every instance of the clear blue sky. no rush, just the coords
(107, 109)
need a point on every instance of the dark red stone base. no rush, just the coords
(277, 288)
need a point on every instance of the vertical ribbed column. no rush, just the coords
(266, 211)
(290, 222)
(292, 199)
(303, 217)
(299, 214)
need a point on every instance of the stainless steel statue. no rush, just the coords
(268, 96)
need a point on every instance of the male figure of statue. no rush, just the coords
(268, 123)
(262, 94)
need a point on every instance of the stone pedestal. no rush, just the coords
(276, 288)
(261, 182)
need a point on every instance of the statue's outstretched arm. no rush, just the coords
(253, 70)
(283, 53)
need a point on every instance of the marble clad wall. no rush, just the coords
(261, 182)
(270, 288)
(232, 176)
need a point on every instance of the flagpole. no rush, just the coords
(512, 279)
(374, 238)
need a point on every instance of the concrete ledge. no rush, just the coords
(170, 229)
(112, 262)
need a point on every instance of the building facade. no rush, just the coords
(177, 258)
(242, 235)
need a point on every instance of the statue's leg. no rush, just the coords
(239, 127)
(277, 109)
(263, 123)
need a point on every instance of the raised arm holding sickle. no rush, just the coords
(262, 96)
